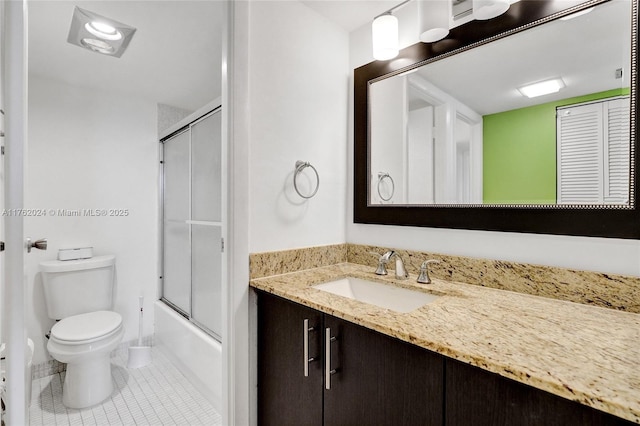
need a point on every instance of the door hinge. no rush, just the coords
(2, 150)
(222, 245)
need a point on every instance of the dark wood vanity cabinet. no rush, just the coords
(378, 380)
(285, 395)
(480, 398)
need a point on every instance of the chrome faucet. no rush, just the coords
(423, 277)
(401, 272)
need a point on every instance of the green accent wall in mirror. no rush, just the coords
(519, 152)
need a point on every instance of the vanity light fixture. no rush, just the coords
(433, 23)
(384, 34)
(98, 33)
(489, 9)
(542, 88)
(434, 20)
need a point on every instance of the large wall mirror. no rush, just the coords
(447, 134)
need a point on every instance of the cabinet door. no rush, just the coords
(285, 395)
(380, 380)
(477, 397)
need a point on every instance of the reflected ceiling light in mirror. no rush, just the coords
(384, 34)
(542, 88)
(433, 20)
(489, 9)
(98, 33)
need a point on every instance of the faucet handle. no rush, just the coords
(382, 263)
(423, 277)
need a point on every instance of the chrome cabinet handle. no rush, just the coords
(40, 244)
(307, 358)
(327, 358)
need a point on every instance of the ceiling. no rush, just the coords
(351, 14)
(585, 52)
(174, 57)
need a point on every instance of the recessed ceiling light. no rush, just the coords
(542, 88)
(102, 30)
(99, 46)
(98, 33)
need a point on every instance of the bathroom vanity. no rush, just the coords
(371, 372)
(473, 356)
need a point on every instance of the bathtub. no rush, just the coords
(196, 354)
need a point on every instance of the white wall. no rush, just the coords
(594, 254)
(298, 81)
(290, 77)
(388, 134)
(93, 150)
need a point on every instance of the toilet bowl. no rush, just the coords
(79, 293)
(84, 342)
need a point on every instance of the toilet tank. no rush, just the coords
(73, 287)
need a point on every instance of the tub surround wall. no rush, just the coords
(591, 288)
(169, 115)
(194, 353)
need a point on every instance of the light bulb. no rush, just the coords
(488, 9)
(384, 32)
(102, 30)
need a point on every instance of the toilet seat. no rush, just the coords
(86, 328)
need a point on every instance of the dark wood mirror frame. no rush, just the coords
(590, 220)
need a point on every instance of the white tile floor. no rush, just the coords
(157, 394)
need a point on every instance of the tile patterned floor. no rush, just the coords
(157, 394)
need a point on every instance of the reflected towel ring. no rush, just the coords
(300, 166)
(381, 177)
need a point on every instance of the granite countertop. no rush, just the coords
(583, 353)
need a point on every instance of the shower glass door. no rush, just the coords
(193, 226)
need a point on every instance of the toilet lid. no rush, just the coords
(86, 326)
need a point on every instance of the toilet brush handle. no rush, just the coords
(141, 301)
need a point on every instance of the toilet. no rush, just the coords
(79, 293)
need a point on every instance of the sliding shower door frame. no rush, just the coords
(186, 126)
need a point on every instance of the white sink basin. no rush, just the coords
(382, 295)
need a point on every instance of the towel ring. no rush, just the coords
(300, 166)
(381, 177)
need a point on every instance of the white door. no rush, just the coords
(13, 300)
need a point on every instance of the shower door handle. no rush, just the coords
(40, 244)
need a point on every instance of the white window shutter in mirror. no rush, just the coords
(593, 153)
